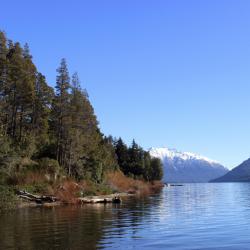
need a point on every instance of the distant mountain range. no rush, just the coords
(239, 174)
(186, 166)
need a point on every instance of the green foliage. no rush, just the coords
(46, 126)
(96, 189)
(60, 115)
(56, 133)
(137, 163)
(121, 151)
(34, 188)
(8, 199)
(10, 160)
(17, 168)
(49, 165)
(156, 171)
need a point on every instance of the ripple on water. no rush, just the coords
(194, 216)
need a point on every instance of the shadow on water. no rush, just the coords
(61, 228)
(70, 227)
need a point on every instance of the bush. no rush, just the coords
(8, 199)
(91, 188)
(49, 166)
(38, 188)
(3, 177)
(25, 171)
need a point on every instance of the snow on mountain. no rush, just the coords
(172, 153)
(186, 166)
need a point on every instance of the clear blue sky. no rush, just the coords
(173, 73)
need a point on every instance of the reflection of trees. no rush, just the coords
(54, 228)
(69, 227)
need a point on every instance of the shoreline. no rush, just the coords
(21, 201)
(115, 198)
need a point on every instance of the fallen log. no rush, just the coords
(49, 199)
(100, 199)
(36, 198)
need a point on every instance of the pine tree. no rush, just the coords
(136, 160)
(21, 81)
(36, 122)
(85, 136)
(60, 113)
(77, 130)
(147, 167)
(26, 94)
(121, 151)
(41, 110)
(3, 85)
(156, 169)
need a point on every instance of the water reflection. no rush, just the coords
(71, 227)
(60, 228)
(195, 216)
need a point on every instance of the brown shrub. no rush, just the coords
(68, 191)
(26, 178)
(118, 181)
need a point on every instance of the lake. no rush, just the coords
(193, 216)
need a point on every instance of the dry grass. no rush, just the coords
(68, 191)
(34, 178)
(118, 181)
(26, 178)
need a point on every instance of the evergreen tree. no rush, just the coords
(121, 151)
(41, 110)
(3, 84)
(136, 160)
(19, 92)
(60, 113)
(35, 122)
(156, 169)
(147, 167)
(26, 97)
(77, 132)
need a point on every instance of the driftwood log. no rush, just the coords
(100, 199)
(173, 185)
(45, 199)
(36, 198)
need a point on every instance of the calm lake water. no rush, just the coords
(194, 216)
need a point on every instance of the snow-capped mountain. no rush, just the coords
(186, 166)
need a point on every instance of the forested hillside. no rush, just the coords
(54, 130)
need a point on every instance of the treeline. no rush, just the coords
(38, 122)
(136, 162)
